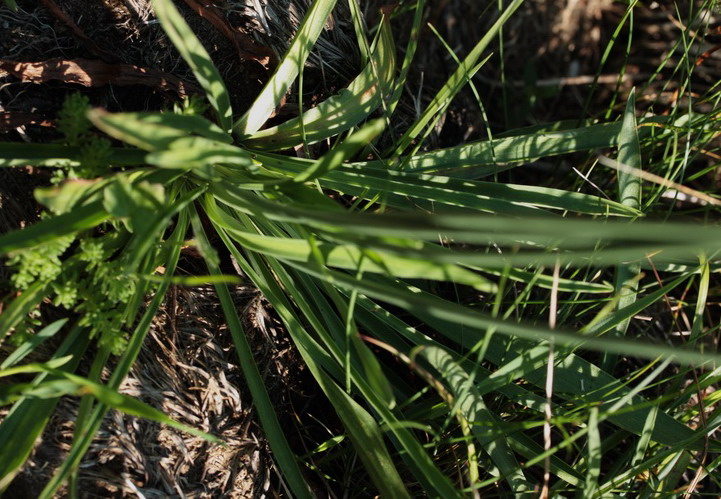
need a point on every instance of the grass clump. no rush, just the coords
(472, 336)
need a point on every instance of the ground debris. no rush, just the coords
(92, 73)
(243, 43)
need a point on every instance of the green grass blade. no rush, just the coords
(31, 344)
(427, 305)
(197, 58)
(288, 69)
(21, 306)
(483, 422)
(81, 218)
(340, 112)
(605, 323)
(137, 129)
(77, 385)
(197, 152)
(191, 124)
(414, 454)
(274, 433)
(345, 256)
(11, 5)
(25, 422)
(594, 457)
(518, 149)
(367, 439)
(456, 81)
(342, 152)
(629, 190)
(397, 187)
(629, 154)
(360, 179)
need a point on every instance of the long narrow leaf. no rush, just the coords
(197, 58)
(339, 112)
(288, 69)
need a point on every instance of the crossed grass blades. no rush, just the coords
(339, 275)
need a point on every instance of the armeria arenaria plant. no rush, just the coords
(338, 273)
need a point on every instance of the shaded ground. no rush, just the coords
(188, 367)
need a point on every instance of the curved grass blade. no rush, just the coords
(667, 240)
(314, 355)
(197, 58)
(574, 377)
(545, 281)
(518, 149)
(340, 112)
(76, 385)
(334, 158)
(410, 190)
(198, 152)
(169, 144)
(136, 129)
(417, 302)
(21, 306)
(191, 124)
(288, 69)
(366, 437)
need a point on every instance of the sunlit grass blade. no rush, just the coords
(517, 149)
(314, 355)
(288, 69)
(409, 190)
(629, 191)
(426, 305)
(340, 112)
(137, 129)
(346, 256)
(196, 152)
(197, 58)
(342, 152)
(192, 124)
(577, 241)
(545, 281)
(606, 321)
(76, 385)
